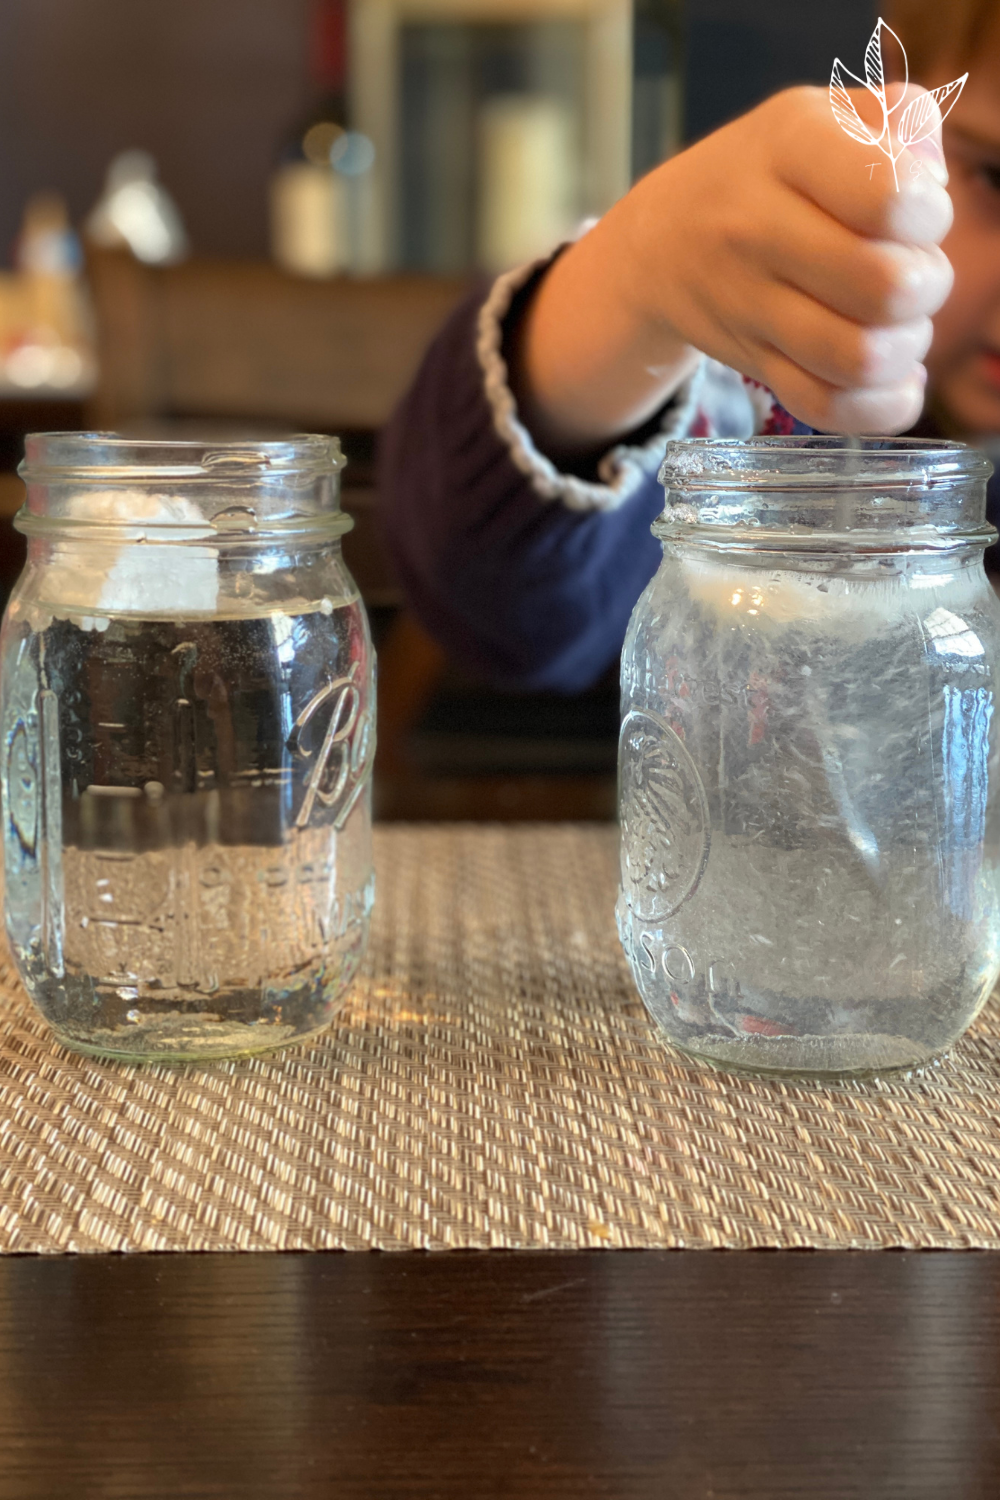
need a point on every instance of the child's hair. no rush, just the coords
(938, 35)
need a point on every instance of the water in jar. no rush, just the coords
(809, 849)
(188, 832)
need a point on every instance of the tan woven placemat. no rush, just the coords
(492, 1081)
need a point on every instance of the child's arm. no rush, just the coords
(775, 247)
(761, 246)
(527, 591)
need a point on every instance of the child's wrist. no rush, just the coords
(647, 269)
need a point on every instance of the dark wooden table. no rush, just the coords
(758, 1375)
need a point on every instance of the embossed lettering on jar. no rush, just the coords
(188, 735)
(809, 755)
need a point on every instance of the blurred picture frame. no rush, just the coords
(470, 170)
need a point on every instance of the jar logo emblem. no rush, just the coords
(665, 829)
(341, 765)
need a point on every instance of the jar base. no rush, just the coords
(217, 1043)
(847, 1058)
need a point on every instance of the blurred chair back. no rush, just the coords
(241, 339)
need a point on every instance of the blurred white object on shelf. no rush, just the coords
(309, 235)
(317, 203)
(529, 178)
(137, 212)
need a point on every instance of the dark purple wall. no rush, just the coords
(209, 86)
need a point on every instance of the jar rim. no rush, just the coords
(824, 493)
(86, 457)
(818, 460)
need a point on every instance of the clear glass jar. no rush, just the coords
(808, 759)
(186, 692)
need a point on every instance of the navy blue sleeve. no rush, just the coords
(523, 590)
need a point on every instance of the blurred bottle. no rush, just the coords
(317, 191)
(47, 330)
(137, 212)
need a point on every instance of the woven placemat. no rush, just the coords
(492, 1081)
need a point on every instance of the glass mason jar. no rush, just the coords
(186, 691)
(808, 757)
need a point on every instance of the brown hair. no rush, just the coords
(941, 36)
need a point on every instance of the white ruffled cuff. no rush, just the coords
(622, 470)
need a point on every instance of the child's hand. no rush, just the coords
(776, 247)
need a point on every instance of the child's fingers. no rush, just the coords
(836, 349)
(854, 181)
(893, 409)
(871, 281)
(825, 407)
